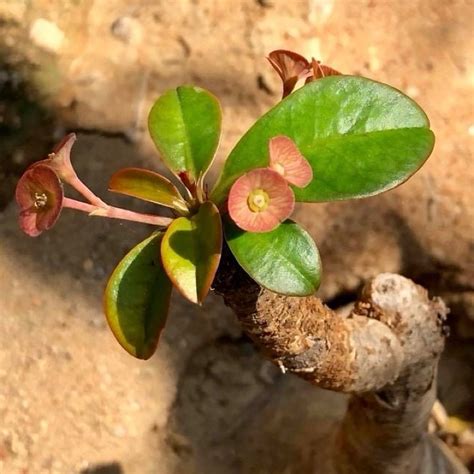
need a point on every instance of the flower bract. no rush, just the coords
(286, 159)
(39, 193)
(60, 159)
(321, 70)
(290, 66)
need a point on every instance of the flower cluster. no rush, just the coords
(262, 198)
(40, 194)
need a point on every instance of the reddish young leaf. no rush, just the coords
(260, 200)
(39, 195)
(286, 159)
(290, 66)
(147, 185)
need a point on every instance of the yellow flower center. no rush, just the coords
(40, 200)
(258, 200)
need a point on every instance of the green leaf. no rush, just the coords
(147, 185)
(191, 250)
(285, 260)
(185, 125)
(137, 297)
(361, 137)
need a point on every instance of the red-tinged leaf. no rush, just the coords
(191, 250)
(137, 297)
(39, 194)
(147, 185)
(286, 159)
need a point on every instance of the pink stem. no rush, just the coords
(79, 186)
(116, 213)
(78, 205)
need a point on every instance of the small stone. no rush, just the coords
(18, 157)
(88, 265)
(126, 29)
(44, 426)
(413, 91)
(46, 35)
(135, 406)
(119, 431)
(178, 443)
(374, 61)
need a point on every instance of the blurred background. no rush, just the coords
(71, 401)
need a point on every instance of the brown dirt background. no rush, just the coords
(70, 400)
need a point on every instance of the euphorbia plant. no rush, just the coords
(337, 137)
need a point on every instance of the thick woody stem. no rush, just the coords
(384, 431)
(302, 335)
(385, 353)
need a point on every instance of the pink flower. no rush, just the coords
(260, 200)
(286, 159)
(321, 70)
(290, 66)
(39, 193)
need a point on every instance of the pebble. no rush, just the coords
(413, 91)
(374, 60)
(18, 157)
(88, 265)
(46, 35)
(119, 431)
(126, 29)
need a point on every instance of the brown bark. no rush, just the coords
(385, 353)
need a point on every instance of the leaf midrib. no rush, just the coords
(188, 157)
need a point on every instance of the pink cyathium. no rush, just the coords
(40, 195)
(60, 159)
(287, 160)
(260, 200)
(290, 66)
(321, 70)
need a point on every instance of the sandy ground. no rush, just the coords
(71, 401)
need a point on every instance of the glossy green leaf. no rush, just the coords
(360, 136)
(285, 260)
(137, 297)
(147, 185)
(191, 250)
(185, 125)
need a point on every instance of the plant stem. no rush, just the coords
(385, 353)
(116, 213)
(80, 187)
